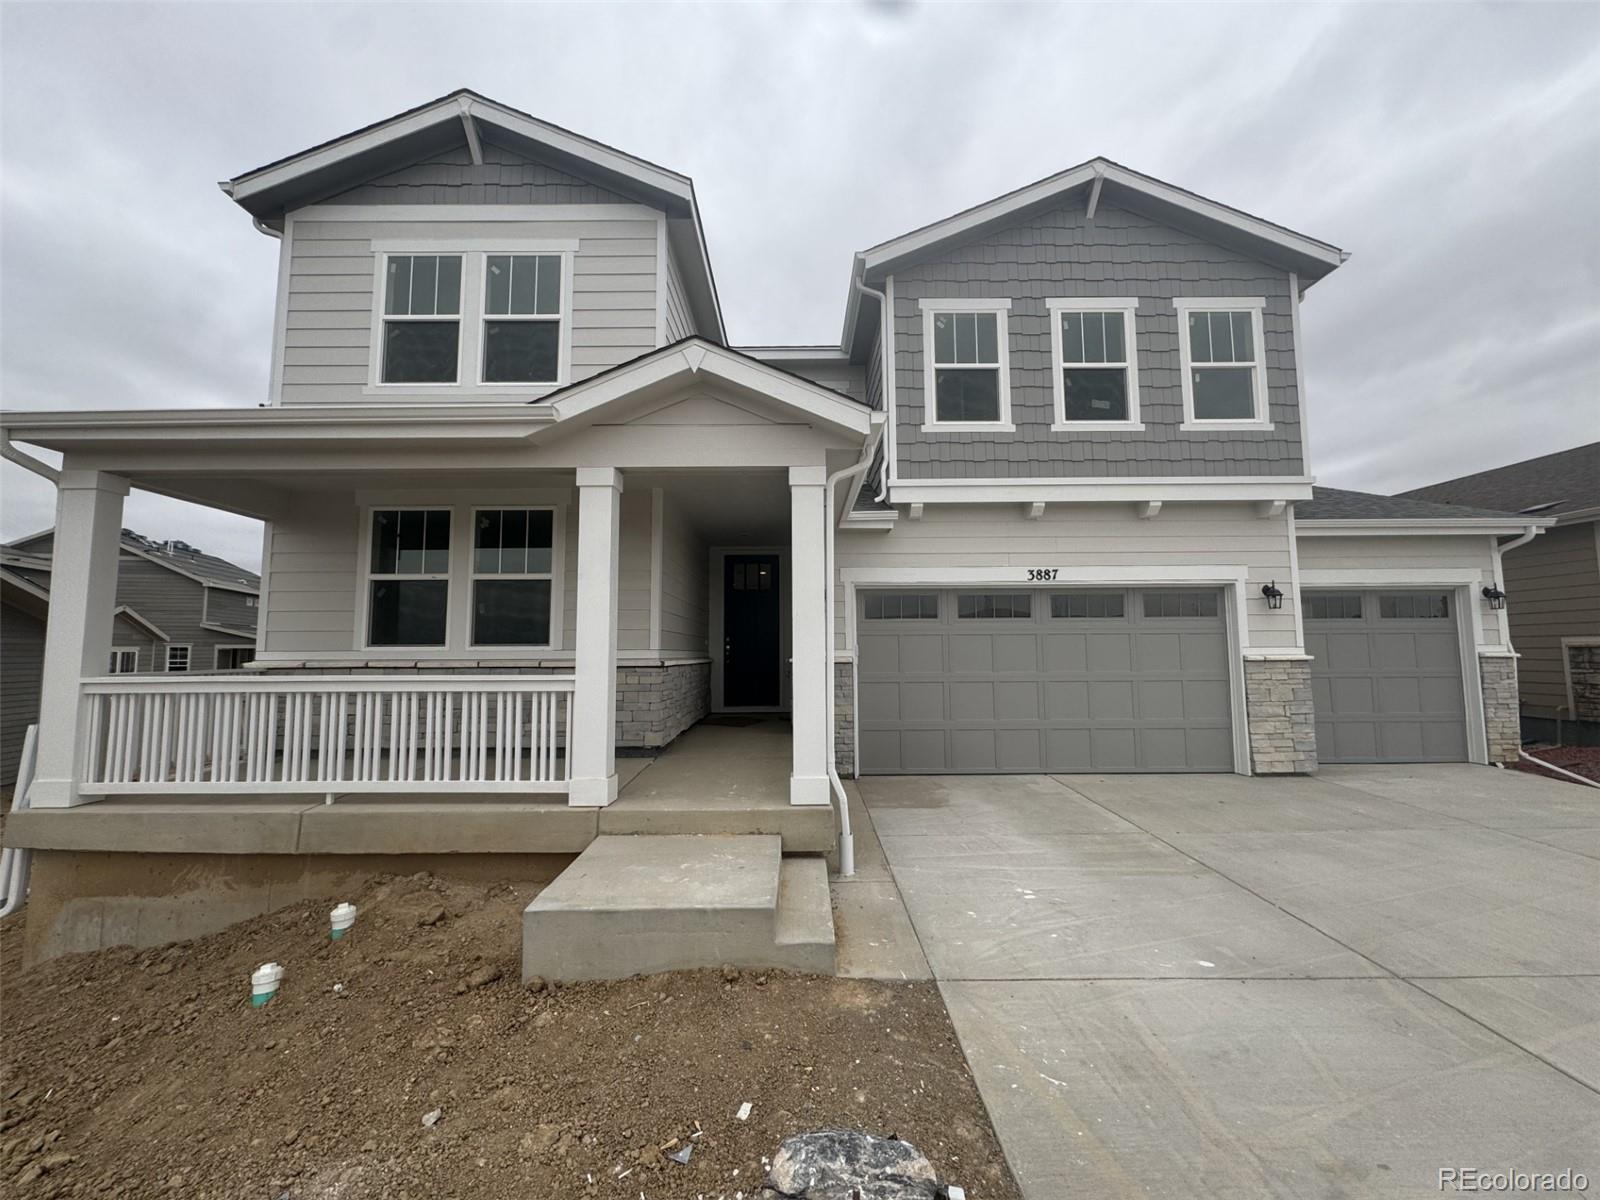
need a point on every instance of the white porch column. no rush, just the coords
(808, 517)
(594, 701)
(77, 641)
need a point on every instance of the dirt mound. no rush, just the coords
(146, 1072)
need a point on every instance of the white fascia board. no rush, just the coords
(707, 358)
(452, 108)
(1418, 528)
(871, 520)
(1097, 491)
(998, 209)
(55, 430)
(122, 610)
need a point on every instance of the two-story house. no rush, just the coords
(177, 609)
(1046, 507)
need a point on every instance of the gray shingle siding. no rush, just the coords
(503, 178)
(1060, 254)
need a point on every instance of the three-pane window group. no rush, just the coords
(1096, 349)
(518, 322)
(512, 574)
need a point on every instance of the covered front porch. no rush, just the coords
(726, 775)
(464, 603)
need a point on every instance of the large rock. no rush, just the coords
(843, 1164)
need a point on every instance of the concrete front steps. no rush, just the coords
(636, 904)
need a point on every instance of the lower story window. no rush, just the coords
(177, 658)
(231, 658)
(512, 576)
(124, 660)
(409, 571)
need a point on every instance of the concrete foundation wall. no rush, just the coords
(1282, 720)
(656, 704)
(1501, 716)
(844, 718)
(87, 900)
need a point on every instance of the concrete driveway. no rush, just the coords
(1213, 986)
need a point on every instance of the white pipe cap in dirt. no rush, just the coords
(264, 982)
(341, 918)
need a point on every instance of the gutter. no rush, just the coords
(26, 461)
(886, 348)
(847, 845)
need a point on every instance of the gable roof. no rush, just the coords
(1102, 180)
(176, 556)
(1565, 483)
(271, 190)
(690, 357)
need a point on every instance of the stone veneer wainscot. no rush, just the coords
(1282, 720)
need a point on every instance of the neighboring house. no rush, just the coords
(1553, 583)
(176, 610)
(1035, 511)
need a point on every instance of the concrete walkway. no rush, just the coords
(1212, 986)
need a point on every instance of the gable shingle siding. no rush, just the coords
(504, 177)
(1060, 254)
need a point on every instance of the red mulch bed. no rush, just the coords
(1580, 760)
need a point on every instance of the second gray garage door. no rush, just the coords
(995, 681)
(1386, 676)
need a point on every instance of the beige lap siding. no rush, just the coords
(327, 352)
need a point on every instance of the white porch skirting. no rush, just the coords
(337, 733)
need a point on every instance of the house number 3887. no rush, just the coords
(1037, 573)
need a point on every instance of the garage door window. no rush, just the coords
(902, 606)
(1180, 604)
(994, 606)
(1332, 606)
(1414, 606)
(1086, 604)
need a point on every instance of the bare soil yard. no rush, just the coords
(146, 1072)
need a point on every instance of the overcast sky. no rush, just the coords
(1453, 149)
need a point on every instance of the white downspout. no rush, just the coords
(26, 461)
(885, 348)
(847, 844)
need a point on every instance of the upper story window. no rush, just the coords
(1095, 364)
(522, 318)
(421, 318)
(1221, 355)
(476, 321)
(966, 378)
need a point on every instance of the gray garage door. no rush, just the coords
(979, 682)
(1386, 676)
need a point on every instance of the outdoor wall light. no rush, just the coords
(1273, 595)
(1495, 597)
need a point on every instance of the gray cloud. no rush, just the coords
(1455, 149)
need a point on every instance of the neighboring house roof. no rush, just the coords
(458, 119)
(180, 557)
(155, 631)
(1553, 485)
(1337, 504)
(31, 593)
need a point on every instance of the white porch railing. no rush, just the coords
(339, 733)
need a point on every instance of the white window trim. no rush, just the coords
(117, 652)
(553, 575)
(1255, 306)
(1127, 306)
(216, 658)
(458, 595)
(930, 409)
(188, 658)
(474, 254)
(368, 576)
